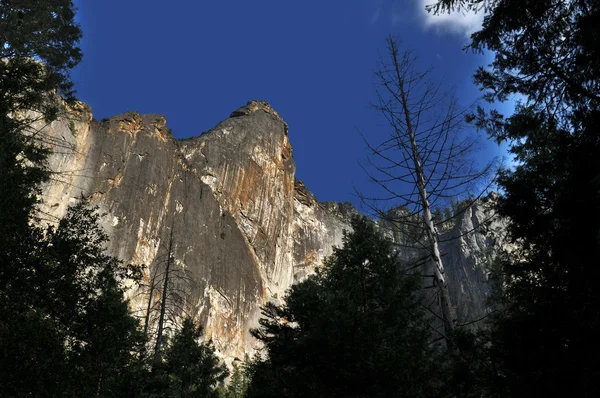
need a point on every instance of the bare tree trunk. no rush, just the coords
(99, 388)
(448, 311)
(425, 160)
(148, 311)
(149, 307)
(163, 304)
(172, 302)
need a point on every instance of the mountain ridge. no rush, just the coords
(244, 229)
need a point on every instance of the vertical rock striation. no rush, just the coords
(243, 229)
(468, 244)
(227, 196)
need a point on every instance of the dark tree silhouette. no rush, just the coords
(356, 328)
(423, 163)
(546, 52)
(166, 295)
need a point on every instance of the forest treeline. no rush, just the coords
(357, 327)
(66, 329)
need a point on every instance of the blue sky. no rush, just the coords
(313, 61)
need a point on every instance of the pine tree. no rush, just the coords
(239, 379)
(65, 329)
(84, 294)
(356, 328)
(190, 368)
(543, 336)
(39, 47)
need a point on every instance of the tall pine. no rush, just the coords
(356, 328)
(547, 54)
(65, 328)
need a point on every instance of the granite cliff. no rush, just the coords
(242, 229)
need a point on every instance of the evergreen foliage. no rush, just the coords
(356, 328)
(189, 367)
(39, 46)
(542, 339)
(66, 328)
(239, 381)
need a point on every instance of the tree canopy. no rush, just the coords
(356, 328)
(188, 368)
(65, 325)
(546, 53)
(39, 47)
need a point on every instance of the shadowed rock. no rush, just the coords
(243, 228)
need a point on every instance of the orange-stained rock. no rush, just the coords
(244, 230)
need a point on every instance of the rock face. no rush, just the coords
(241, 229)
(469, 248)
(318, 226)
(468, 243)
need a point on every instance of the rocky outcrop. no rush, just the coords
(318, 226)
(468, 244)
(469, 248)
(243, 230)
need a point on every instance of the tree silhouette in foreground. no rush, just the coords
(74, 293)
(424, 162)
(543, 339)
(356, 328)
(167, 291)
(189, 367)
(39, 47)
(65, 329)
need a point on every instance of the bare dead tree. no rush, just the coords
(163, 301)
(167, 294)
(424, 161)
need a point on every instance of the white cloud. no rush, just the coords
(461, 23)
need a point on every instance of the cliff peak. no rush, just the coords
(243, 228)
(134, 122)
(258, 106)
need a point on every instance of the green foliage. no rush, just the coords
(39, 47)
(547, 286)
(437, 214)
(65, 328)
(544, 335)
(73, 293)
(447, 213)
(473, 372)
(32, 359)
(356, 328)
(239, 381)
(85, 294)
(444, 220)
(190, 368)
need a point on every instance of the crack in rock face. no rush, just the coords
(243, 229)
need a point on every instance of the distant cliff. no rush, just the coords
(243, 229)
